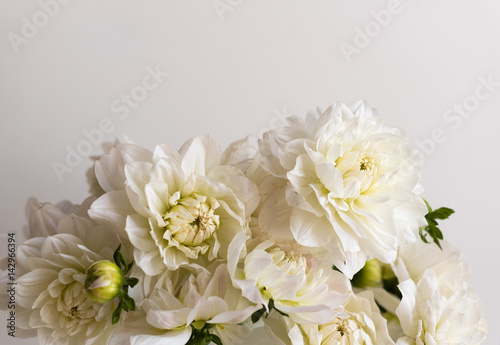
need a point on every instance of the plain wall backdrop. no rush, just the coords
(165, 71)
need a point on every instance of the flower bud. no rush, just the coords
(369, 276)
(104, 281)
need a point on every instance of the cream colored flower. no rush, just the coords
(200, 303)
(44, 217)
(429, 318)
(51, 283)
(351, 184)
(297, 287)
(363, 325)
(448, 264)
(177, 207)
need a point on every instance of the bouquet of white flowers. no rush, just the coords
(318, 232)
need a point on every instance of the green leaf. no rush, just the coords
(201, 336)
(271, 307)
(130, 282)
(214, 338)
(129, 266)
(432, 229)
(129, 302)
(126, 302)
(423, 236)
(116, 314)
(116, 254)
(441, 213)
(258, 314)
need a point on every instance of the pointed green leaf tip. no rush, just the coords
(432, 229)
(256, 316)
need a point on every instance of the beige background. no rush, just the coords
(235, 72)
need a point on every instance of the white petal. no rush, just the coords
(42, 218)
(138, 230)
(207, 308)
(138, 174)
(109, 169)
(200, 155)
(112, 208)
(274, 216)
(406, 310)
(179, 337)
(309, 230)
(168, 319)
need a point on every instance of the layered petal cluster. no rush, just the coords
(308, 294)
(43, 220)
(351, 184)
(448, 264)
(427, 316)
(173, 206)
(363, 325)
(51, 283)
(437, 305)
(44, 217)
(202, 301)
(307, 231)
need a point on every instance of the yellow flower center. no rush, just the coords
(291, 262)
(337, 331)
(193, 220)
(366, 163)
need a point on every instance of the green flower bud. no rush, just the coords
(370, 275)
(104, 281)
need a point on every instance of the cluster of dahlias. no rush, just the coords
(319, 234)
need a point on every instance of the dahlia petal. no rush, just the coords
(178, 337)
(109, 168)
(199, 155)
(112, 209)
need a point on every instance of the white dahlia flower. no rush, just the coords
(201, 306)
(352, 184)
(174, 207)
(308, 294)
(428, 317)
(448, 264)
(44, 217)
(51, 283)
(363, 326)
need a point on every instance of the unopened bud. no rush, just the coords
(369, 276)
(104, 281)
